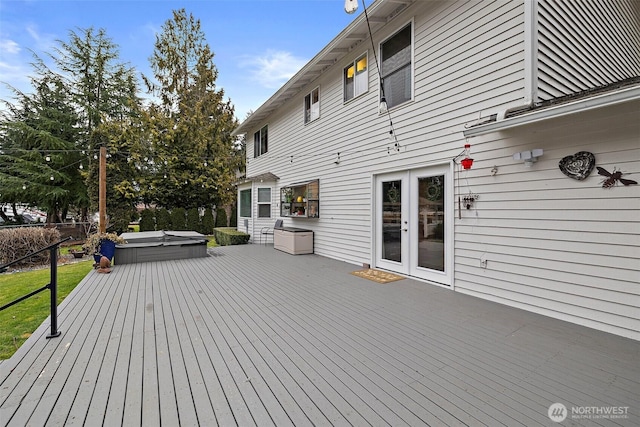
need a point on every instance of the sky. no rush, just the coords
(258, 44)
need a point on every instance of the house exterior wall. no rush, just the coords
(451, 59)
(535, 239)
(582, 46)
(539, 240)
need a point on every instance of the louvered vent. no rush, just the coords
(586, 44)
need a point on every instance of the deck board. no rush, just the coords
(253, 336)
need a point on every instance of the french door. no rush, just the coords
(414, 223)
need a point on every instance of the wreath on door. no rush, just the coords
(434, 190)
(393, 194)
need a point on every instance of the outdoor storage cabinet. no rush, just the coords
(292, 240)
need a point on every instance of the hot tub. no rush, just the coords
(149, 246)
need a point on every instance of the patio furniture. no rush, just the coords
(266, 231)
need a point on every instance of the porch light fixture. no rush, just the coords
(350, 6)
(529, 157)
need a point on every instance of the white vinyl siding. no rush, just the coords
(457, 68)
(553, 245)
(583, 45)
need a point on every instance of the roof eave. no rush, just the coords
(582, 105)
(327, 57)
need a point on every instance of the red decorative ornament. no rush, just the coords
(467, 161)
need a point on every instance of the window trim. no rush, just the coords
(413, 60)
(259, 203)
(261, 138)
(354, 64)
(310, 118)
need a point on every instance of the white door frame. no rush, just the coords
(403, 265)
(410, 222)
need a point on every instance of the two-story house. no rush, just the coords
(544, 92)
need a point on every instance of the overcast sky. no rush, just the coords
(258, 44)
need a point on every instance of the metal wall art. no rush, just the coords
(613, 178)
(578, 166)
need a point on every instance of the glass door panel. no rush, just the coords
(392, 220)
(431, 222)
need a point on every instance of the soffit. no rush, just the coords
(380, 13)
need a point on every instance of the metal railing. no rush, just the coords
(52, 285)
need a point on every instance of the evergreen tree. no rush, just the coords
(221, 217)
(193, 220)
(208, 222)
(178, 219)
(192, 126)
(147, 220)
(163, 219)
(38, 157)
(233, 221)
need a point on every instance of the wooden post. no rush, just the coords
(102, 192)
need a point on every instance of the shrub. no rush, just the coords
(193, 220)
(18, 242)
(178, 219)
(147, 220)
(226, 236)
(221, 218)
(207, 222)
(163, 219)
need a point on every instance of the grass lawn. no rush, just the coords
(18, 322)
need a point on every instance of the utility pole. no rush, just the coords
(102, 192)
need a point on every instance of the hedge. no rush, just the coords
(226, 236)
(18, 242)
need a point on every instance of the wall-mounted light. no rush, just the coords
(529, 157)
(350, 6)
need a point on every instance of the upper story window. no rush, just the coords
(312, 106)
(356, 78)
(260, 142)
(396, 56)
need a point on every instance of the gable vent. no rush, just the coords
(586, 44)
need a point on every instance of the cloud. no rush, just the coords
(9, 46)
(272, 69)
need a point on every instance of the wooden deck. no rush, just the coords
(253, 336)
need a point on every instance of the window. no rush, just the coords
(312, 106)
(245, 203)
(396, 69)
(260, 142)
(264, 203)
(356, 78)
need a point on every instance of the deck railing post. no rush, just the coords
(53, 287)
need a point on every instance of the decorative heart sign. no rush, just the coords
(578, 166)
